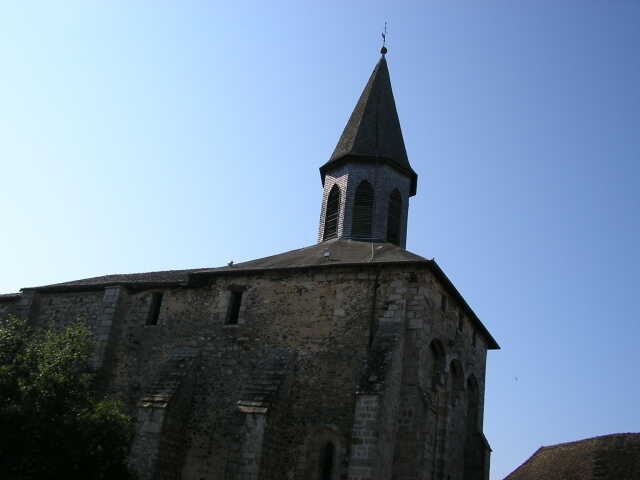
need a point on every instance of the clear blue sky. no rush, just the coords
(147, 136)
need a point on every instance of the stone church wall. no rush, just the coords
(429, 421)
(323, 316)
(317, 356)
(63, 309)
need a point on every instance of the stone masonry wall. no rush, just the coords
(7, 307)
(432, 425)
(62, 309)
(325, 317)
(382, 411)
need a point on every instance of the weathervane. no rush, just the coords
(383, 50)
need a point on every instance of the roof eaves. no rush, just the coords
(242, 271)
(364, 158)
(100, 286)
(9, 297)
(485, 442)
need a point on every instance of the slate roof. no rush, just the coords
(342, 252)
(609, 457)
(9, 297)
(373, 131)
(143, 280)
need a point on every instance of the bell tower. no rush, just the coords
(368, 179)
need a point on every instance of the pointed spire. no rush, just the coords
(373, 131)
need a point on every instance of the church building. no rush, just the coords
(348, 359)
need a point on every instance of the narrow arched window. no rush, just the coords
(394, 215)
(362, 211)
(332, 214)
(326, 461)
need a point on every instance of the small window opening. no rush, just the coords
(460, 321)
(154, 308)
(234, 307)
(326, 461)
(443, 302)
(473, 339)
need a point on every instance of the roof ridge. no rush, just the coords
(597, 437)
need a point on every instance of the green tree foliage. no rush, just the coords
(52, 422)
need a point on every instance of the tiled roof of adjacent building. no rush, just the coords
(373, 131)
(609, 457)
(332, 253)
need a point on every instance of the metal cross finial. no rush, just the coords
(383, 50)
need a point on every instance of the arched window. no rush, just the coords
(332, 214)
(394, 215)
(327, 457)
(324, 449)
(362, 211)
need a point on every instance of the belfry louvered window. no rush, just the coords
(393, 217)
(332, 214)
(362, 211)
